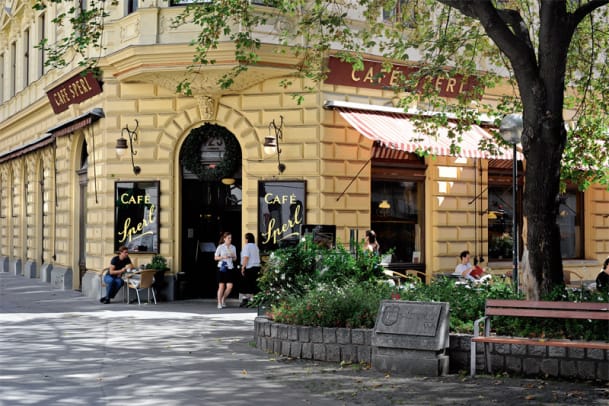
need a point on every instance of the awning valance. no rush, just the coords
(398, 131)
(77, 123)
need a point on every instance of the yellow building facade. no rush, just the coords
(61, 181)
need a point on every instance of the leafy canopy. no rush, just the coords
(436, 35)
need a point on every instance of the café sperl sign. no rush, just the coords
(73, 91)
(374, 76)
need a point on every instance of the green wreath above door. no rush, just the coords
(211, 136)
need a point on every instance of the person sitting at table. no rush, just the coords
(119, 264)
(464, 267)
(602, 279)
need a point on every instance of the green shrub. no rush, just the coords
(314, 286)
(353, 305)
(293, 271)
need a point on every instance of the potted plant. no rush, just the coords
(158, 262)
(503, 246)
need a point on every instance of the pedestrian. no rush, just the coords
(250, 269)
(113, 279)
(602, 280)
(225, 254)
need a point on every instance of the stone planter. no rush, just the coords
(354, 345)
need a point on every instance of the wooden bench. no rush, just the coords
(539, 309)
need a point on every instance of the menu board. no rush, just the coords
(281, 213)
(136, 214)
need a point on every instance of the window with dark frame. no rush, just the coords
(397, 205)
(132, 6)
(13, 72)
(500, 212)
(26, 57)
(41, 36)
(571, 223)
(1, 78)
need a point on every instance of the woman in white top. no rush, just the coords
(225, 254)
(250, 269)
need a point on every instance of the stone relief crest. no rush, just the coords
(391, 315)
(207, 107)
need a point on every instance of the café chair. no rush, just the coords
(144, 280)
(102, 284)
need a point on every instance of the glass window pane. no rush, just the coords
(397, 217)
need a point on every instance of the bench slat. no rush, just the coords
(557, 314)
(547, 305)
(534, 341)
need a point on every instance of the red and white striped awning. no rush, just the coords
(397, 131)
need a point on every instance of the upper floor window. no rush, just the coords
(1, 78)
(132, 6)
(13, 71)
(41, 36)
(26, 58)
(398, 13)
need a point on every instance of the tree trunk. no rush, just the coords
(541, 202)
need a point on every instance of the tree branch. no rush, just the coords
(586, 9)
(515, 43)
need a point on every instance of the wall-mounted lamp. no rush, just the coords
(121, 145)
(271, 144)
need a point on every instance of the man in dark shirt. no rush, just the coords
(602, 280)
(113, 279)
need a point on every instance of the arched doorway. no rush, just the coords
(210, 160)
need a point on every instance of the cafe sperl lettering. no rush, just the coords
(74, 90)
(373, 76)
(135, 223)
(281, 212)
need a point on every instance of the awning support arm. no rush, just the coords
(353, 179)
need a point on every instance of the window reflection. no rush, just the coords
(397, 217)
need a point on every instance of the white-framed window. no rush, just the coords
(26, 57)
(132, 6)
(1, 78)
(13, 70)
(42, 26)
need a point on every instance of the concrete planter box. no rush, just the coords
(354, 345)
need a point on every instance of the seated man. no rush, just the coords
(465, 269)
(119, 264)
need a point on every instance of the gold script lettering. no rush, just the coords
(272, 232)
(129, 232)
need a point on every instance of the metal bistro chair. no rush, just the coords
(145, 281)
(102, 284)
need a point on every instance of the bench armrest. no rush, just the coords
(487, 326)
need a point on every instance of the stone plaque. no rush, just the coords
(411, 338)
(418, 319)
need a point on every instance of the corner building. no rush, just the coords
(194, 166)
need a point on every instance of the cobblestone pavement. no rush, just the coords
(60, 348)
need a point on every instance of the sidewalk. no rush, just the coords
(61, 348)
